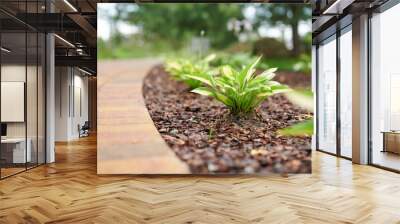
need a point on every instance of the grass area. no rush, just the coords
(128, 49)
(283, 64)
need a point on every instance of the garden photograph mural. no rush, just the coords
(204, 88)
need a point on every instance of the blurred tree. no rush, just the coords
(114, 18)
(286, 14)
(179, 22)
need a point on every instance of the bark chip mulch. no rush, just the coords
(203, 134)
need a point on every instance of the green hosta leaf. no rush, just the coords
(258, 100)
(224, 85)
(225, 100)
(210, 57)
(203, 79)
(264, 94)
(259, 80)
(185, 69)
(305, 128)
(250, 71)
(280, 89)
(192, 83)
(203, 91)
(269, 74)
(212, 81)
(225, 80)
(227, 71)
(257, 89)
(274, 83)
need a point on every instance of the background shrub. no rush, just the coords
(270, 48)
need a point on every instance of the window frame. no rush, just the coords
(341, 27)
(378, 10)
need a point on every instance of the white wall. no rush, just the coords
(70, 84)
(12, 73)
(79, 110)
(62, 82)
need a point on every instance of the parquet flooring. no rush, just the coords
(10, 171)
(70, 191)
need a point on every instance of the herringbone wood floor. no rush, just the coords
(69, 191)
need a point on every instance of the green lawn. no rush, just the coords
(128, 50)
(284, 64)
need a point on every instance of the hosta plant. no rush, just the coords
(236, 61)
(182, 69)
(241, 91)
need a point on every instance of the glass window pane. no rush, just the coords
(31, 88)
(346, 94)
(327, 96)
(22, 88)
(385, 85)
(13, 86)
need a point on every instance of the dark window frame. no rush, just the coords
(324, 36)
(340, 28)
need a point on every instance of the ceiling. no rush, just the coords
(74, 22)
(330, 15)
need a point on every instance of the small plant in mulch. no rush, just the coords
(199, 129)
(254, 130)
(242, 91)
(182, 69)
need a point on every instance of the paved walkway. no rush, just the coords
(128, 142)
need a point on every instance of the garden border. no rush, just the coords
(128, 141)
